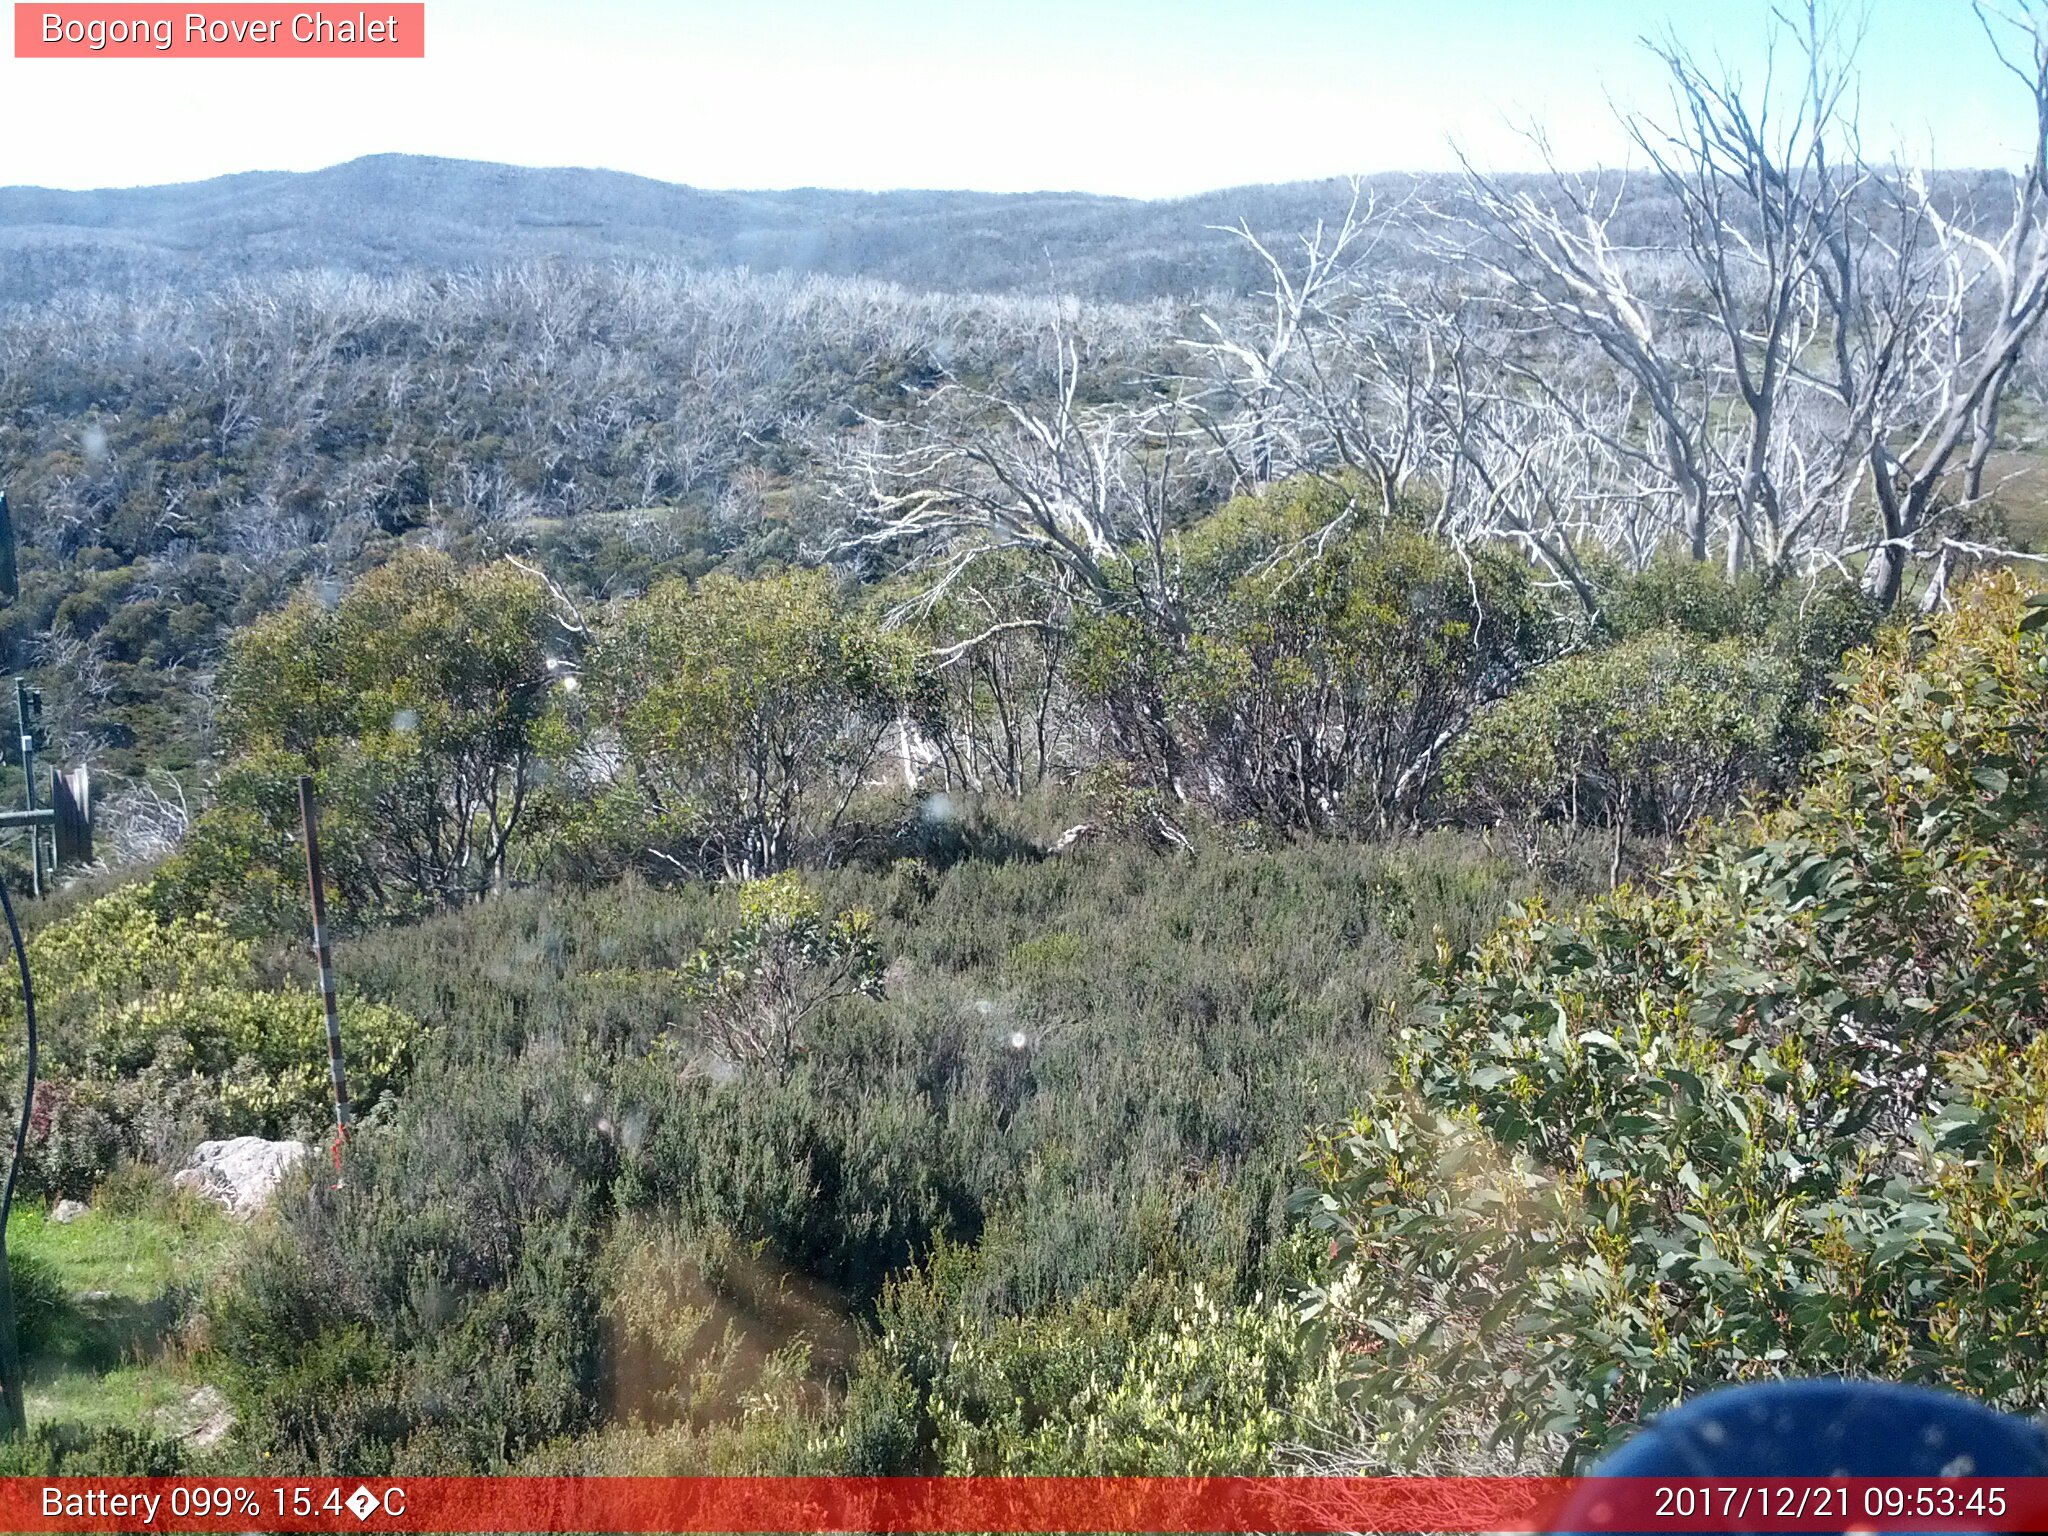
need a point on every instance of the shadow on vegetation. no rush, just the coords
(97, 1333)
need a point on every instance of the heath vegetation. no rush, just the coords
(1395, 862)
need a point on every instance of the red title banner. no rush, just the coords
(1024, 1504)
(236, 31)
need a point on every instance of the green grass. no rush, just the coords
(119, 1349)
(158, 1396)
(134, 1256)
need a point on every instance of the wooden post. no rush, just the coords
(343, 1115)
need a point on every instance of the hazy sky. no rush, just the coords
(1141, 97)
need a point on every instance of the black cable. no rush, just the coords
(28, 1091)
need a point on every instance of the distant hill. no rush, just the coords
(389, 213)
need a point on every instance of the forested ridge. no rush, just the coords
(1025, 882)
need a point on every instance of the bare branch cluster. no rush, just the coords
(1798, 367)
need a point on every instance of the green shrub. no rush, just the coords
(1810, 625)
(1001, 714)
(419, 700)
(1090, 1116)
(1784, 1114)
(39, 1298)
(1329, 652)
(1648, 736)
(139, 1189)
(100, 1450)
(440, 1310)
(757, 986)
(1167, 1381)
(1697, 691)
(747, 712)
(156, 1034)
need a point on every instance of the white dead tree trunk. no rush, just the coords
(1085, 487)
(1329, 369)
(1551, 257)
(1978, 291)
(1819, 337)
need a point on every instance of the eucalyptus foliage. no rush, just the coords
(418, 700)
(1648, 736)
(746, 714)
(1782, 1113)
(158, 1032)
(1331, 653)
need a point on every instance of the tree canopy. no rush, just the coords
(418, 700)
(748, 713)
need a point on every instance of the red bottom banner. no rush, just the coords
(1023, 1504)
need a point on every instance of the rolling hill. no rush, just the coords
(391, 213)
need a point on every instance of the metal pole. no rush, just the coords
(308, 820)
(10, 579)
(28, 772)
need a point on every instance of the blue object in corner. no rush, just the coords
(1829, 1428)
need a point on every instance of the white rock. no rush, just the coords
(216, 1417)
(203, 1419)
(242, 1173)
(68, 1211)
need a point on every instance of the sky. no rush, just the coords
(1144, 98)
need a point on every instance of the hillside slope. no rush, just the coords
(390, 213)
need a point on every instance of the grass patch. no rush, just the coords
(2018, 483)
(116, 1348)
(133, 1255)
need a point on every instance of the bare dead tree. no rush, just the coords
(1820, 337)
(1085, 487)
(1273, 373)
(1551, 256)
(1973, 300)
(146, 819)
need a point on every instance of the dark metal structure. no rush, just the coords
(68, 816)
(10, 583)
(13, 1406)
(69, 820)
